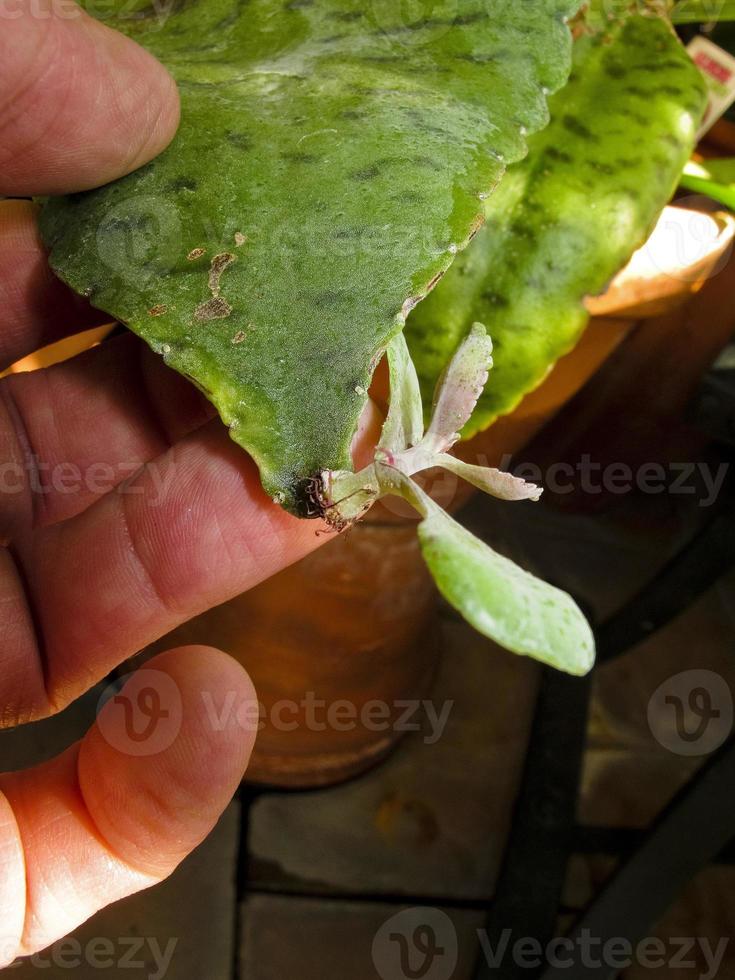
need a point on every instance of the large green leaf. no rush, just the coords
(568, 218)
(330, 163)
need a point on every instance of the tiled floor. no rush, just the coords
(303, 884)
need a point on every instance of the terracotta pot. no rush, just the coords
(686, 248)
(333, 644)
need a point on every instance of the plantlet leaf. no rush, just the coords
(569, 217)
(504, 602)
(497, 483)
(404, 425)
(328, 167)
(459, 388)
(501, 600)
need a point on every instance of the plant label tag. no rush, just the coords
(718, 68)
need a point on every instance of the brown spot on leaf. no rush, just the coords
(219, 264)
(158, 310)
(239, 337)
(240, 239)
(215, 308)
(196, 253)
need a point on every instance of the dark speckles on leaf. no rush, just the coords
(128, 222)
(298, 157)
(182, 184)
(366, 173)
(240, 140)
(408, 197)
(674, 91)
(348, 234)
(383, 59)
(578, 128)
(372, 171)
(496, 299)
(331, 297)
(559, 156)
(614, 70)
(480, 59)
(522, 230)
(672, 140)
(460, 20)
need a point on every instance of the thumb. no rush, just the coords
(117, 812)
(80, 104)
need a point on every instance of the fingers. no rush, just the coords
(79, 103)
(192, 530)
(117, 812)
(71, 433)
(36, 308)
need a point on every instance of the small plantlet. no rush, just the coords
(497, 597)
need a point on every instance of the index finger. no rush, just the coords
(80, 104)
(192, 530)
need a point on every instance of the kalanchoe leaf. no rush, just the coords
(497, 483)
(404, 425)
(329, 165)
(459, 388)
(504, 602)
(566, 219)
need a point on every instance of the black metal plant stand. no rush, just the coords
(695, 827)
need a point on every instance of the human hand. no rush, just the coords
(94, 568)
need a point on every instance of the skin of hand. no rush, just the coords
(89, 577)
